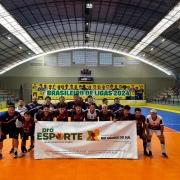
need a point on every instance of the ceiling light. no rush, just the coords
(20, 47)
(87, 24)
(9, 38)
(29, 53)
(152, 49)
(89, 5)
(14, 27)
(164, 24)
(163, 40)
(143, 55)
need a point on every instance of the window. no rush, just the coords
(105, 59)
(50, 61)
(91, 58)
(119, 61)
(79, 57)
(64, 59)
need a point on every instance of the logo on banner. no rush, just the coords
(60, 136)
(93, 135)
(49, 134)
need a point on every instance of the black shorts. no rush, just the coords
(19, 131)
(12, 134)
(140, 134)
(26, 136)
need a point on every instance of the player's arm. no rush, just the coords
(0, 125)
(147, 128)
(36, 117)
(144, 126)
(162, 127)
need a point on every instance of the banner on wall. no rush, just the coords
(85, 140)
(98, 91)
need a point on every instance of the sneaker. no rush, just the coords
(146, 153)
(164, 155)
(11, 151)
(1, 156)
(15, 155)
(25, 150)
(31, 147)
(150, 154)
(21, 155)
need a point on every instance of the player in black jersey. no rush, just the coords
(8, 126)
(141, 126)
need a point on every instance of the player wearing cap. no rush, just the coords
(155, 124)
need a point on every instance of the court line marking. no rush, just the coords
(172, 129)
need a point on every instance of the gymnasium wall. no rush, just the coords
(135, 72)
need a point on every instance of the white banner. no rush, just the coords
(85, 140)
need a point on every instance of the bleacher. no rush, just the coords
(162, 98)
(5, 96)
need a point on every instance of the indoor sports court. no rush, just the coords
(73, 75)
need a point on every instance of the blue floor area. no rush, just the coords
(171, 120)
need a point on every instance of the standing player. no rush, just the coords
(8, 126)
(61, 114)
(155, 124)
(44, 115)
(21, 109)
(104, 114)
(62, 101)
(28, 130)
(89, 102)
(116, 107)
(104, 101)
(48, 103)
(33, 108)
(92, 113)
(77, 114)
(72, 104)
(141, 126)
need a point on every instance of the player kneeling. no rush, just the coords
(28, 130)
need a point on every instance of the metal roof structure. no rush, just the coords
(147, 30)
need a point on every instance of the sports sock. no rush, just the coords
(163, 148)
(149, 146)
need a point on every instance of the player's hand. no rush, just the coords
(114, 120)
(55, 119)
(35, 120)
